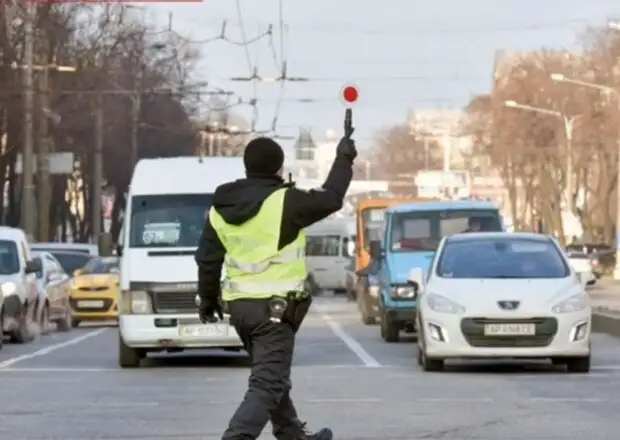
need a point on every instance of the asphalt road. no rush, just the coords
(68, 386)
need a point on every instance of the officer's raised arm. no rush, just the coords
(304, 208)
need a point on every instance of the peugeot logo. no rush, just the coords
(509, 305)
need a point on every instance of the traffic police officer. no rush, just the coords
(255, 230)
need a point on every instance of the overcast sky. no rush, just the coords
(400, 53)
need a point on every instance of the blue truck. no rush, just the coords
(412, 233)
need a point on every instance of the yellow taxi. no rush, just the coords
(94, 291)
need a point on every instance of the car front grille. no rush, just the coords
(174, 302)
(473, 331)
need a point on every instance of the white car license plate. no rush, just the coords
(202, 331)
(509, 329)
(90, 304)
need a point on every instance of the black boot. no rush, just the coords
(321, 434)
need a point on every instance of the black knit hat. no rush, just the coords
(263, 156)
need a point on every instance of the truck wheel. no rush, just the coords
(389, 331)
(128, 357)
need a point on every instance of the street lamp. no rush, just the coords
(610, 91)
(568, 124)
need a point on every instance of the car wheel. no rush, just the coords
(128, 357)
(24, 332)
(578, 364)
(389, 331)
(1, 328)
(64, 324)
(44, 319)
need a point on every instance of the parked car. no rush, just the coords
(18, 285)
(83, 248)
(95, 290)
(54, 294)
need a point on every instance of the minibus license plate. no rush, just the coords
(202, 331)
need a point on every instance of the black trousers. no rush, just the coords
(271, 346)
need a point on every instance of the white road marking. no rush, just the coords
(47, 350)
(354, 346)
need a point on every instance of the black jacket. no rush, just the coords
(241, 200)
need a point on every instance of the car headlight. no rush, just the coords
(9, 288)
(575, 303)
(441, 304)
(137, 302)
(403, 292)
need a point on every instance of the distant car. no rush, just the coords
(71, 261)
(54, 293)
(501, 295)
(82, 248)
(602, 256)
(582, 264)
(94, 291)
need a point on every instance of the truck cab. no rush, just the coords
(412, 233)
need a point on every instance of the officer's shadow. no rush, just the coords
(198, 359)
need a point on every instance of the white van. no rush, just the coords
(329, 251)
(167, 203)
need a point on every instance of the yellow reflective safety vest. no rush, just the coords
(255, 268)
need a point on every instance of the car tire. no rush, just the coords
(389, 331)
(65, 323)
(578, 364)
(428, 364)
(75, 323)
(129, 357)
(44, 319)
(24, 333)
(1, 328)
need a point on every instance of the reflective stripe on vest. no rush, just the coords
(254, 266)
(283, 257)
(263, 287)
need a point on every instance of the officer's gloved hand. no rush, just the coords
(207, 311)
(346, 148)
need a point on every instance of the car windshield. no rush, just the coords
(9, 258)
(423, 230)
(373, 221)
(71, 262)
(503, 257)
(100, 266)
(173, 220)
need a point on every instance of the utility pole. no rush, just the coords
(43, 160)
(97, 170)
(135, 119)
(28, 199)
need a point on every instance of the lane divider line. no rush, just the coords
(51, 348)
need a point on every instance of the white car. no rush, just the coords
(502, 295)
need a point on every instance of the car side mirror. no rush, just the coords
(33, 266)
(416, 278)
(376, 252)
